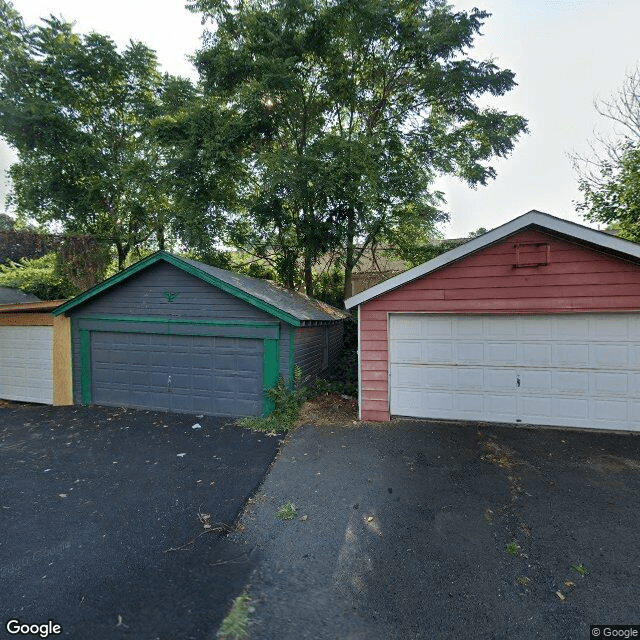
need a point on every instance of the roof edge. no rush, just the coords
(531, 218)
(30, 307)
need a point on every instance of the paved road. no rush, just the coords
(92, 499)
(409, 524)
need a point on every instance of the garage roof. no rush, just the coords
(532, 219)
(290, 306)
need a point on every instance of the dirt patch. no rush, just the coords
(329, 409)
(498, 454)
(606, 463)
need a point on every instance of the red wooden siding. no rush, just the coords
(576, 279)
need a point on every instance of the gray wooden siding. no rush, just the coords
(310, 349)
(143, 295)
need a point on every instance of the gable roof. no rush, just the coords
(532, 219)
(9, 295)
(290, 306)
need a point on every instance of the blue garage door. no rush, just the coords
(197, 374)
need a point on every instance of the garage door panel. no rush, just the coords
(498, 407)
(570, 355)
(609, 355)
(536, 380)
(501, 353)
(26, 364)
(535, 353)
(571, 382)
(609, 410)
(610, 383)
(580, 370)
(470, 352)
(470, 378)
(200, 374)
(569, 327)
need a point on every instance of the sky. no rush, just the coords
(565, 54)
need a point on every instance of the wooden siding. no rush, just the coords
(309, 348)
(577, 279)
(62, 385)
(143, 295)
(26, 319)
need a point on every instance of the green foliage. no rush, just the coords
(80, 113)
(580, 568)
(234, 626)
(287, 511)
(513, 548)
(287, 402)
(40, 277)
(323, 125)
(615, 198)
(329, 287)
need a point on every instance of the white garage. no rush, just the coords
(35, 354)
(26, 354)
(536, 322)
(577, 370)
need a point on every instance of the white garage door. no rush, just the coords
(26, 364)
(578, 370)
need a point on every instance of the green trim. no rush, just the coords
(292, 357)
(159, 332)
(270, 373)
(218, 323)
(85, 366)
(187, 268)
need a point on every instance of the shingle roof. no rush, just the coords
(295, 303)
(290, 306)
(14, 296)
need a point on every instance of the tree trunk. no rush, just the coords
(349, 262)
(308, 274)
(123, 252)
(160, 238)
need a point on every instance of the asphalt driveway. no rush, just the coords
(429, 530)
(104, 514)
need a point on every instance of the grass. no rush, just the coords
(513, 548)
(287, 511)
(234, 626)
(580, 568)
(523, 581)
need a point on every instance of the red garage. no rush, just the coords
(537, 322)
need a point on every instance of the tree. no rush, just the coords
(615, 198)
(340, 114)
(609, 179)
(622, 111)
(38, 276)
(79, 114)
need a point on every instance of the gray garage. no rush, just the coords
(175, 334)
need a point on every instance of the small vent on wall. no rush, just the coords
(532, 254)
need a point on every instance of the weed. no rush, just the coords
(523, 581)
(287, 402)
(287, 511)
(580, 568)
(513, 548)
(233, 627)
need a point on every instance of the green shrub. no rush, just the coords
(287, 402)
